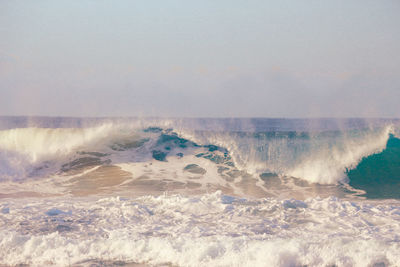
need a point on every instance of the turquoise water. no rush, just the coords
(379, 174)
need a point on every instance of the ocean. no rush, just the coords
(199, 192)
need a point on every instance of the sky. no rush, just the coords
(208, 58)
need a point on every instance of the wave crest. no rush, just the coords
(316, 157)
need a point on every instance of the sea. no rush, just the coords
(199, 191)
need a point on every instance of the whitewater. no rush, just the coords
(199, 192)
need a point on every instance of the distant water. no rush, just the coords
(199, 192)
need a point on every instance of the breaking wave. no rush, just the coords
(324, 157)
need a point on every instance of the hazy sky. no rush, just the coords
(217, 58)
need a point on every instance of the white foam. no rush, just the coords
(23, 150)
(174, 171)
(37, 143)
(211, 229)
(316, 159)
(328, 164)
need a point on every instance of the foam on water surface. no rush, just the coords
(212, 229)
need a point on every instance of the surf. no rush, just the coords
(209, 192)
(228, 158)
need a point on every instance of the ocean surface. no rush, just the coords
(199, 192)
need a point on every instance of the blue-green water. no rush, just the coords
(379, 174)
